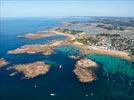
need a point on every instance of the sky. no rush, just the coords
(35, 8)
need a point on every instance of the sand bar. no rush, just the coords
(35, 35)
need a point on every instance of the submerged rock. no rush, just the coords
(3, 62)
(83, 70)
(74, 57)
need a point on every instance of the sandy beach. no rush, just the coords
(53, 31)
(115, 53)
(97, 50)
(85, 49)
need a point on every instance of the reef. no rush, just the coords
(3, 62)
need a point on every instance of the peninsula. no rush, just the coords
(104, 43)
(33, 49)
(48, 49)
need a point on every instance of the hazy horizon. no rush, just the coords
(65, 8)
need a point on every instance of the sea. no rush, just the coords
(115, 76)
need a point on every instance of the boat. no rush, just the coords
(60, 66)
(35, 86)
(86, 95)
(52, 94)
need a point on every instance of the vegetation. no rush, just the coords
(88, 40)
(108, 35)
(73, 32)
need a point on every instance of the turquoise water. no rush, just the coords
(115, 76)
(114, 65)
(69, 50)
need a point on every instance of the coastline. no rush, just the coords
(115, 53)
(84, 70)
(32, 70)
(53, 31)
(47, 49)
(97, 50)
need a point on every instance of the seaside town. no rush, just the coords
(111, 40)
(66, 49)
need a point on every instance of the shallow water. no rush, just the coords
(115, 76)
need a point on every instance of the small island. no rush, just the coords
(84, 70)
(32, 70)
(37, 35)
(3, 62)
